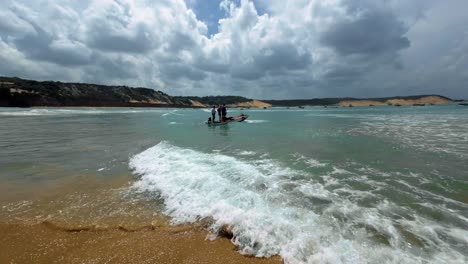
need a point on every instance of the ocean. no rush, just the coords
(315, 185)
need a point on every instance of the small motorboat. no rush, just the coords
(238, 118)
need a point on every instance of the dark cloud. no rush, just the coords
(342, 74)
(36, 43)
(211, 66)
(180, 41)
(372, 33)
(246, 71)
(176, 71)
(43, 46)
(12, 25)
(282, 56)
(102, 38)
(114, 67)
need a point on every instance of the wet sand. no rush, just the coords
(45, 243)
(85, 219)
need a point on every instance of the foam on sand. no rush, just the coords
(273, 209)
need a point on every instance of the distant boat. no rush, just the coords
(371, 105)
(397, 104)
(264, 107)
(419, 104)
(350, 105)
(464, 104)
(301, 107)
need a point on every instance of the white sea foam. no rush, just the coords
(255, 121)
(339, 171)
(83, 111)
(443, 133)
(34, 112)
(310, 162)
(269, 213)
(246, 153)
(173, 112)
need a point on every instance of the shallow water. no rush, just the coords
(338, 185)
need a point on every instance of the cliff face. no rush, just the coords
(15, 92)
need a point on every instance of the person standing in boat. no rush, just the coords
(219, 113)
(213, 113)
(224, 111)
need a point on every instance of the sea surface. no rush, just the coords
(314, 185)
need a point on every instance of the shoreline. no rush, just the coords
(46, 243)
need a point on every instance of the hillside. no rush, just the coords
(15, 92)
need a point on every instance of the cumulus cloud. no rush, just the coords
(117, 26)
(262, 49)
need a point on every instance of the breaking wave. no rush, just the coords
(272, 208)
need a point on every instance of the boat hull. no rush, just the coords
(240, 118)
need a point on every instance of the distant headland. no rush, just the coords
(16, 92)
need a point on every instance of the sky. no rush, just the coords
(263, 49)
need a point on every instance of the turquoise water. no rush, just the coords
(349, 185)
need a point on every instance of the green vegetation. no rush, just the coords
(215, 100)
(24, 93)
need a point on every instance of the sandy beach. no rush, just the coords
(46, 243)
(52, 228)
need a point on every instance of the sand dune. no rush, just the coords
(197, 103)
(422, 100)
(253, 103)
